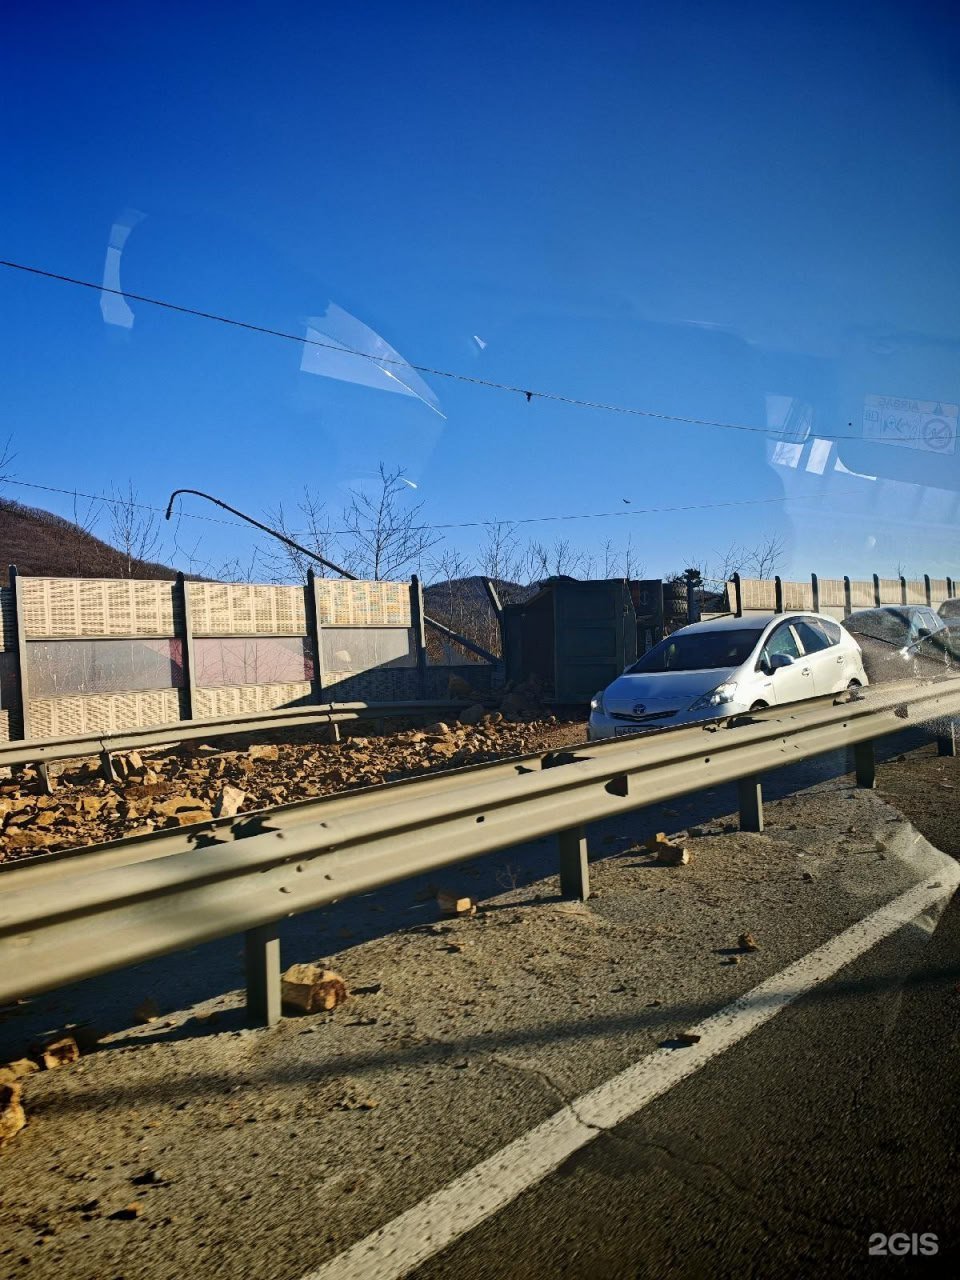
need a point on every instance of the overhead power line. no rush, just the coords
(783, 433)
(455, 524)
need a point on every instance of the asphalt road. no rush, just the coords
(838, 1120)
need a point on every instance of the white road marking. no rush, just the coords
(422, 1231)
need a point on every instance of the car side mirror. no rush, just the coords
(923, 633)
(779, 661)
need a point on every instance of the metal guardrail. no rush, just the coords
(94, 918)
(43, 751)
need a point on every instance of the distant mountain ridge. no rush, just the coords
(42, 544)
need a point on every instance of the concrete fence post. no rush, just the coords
(182, 596)
(314, 633)
(903, 589)
(876, 590)
(20, 649)
(737, 602)
(927, 591)
(777, 594)
(815, 592)
(419, 634)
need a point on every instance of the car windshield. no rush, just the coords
(699, 651)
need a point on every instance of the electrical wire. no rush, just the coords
(782, 433)
(454, 524)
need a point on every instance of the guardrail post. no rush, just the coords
(815, 592)
(947, 740)
(750, 795)
(186, 639)
(876, 590)
(419, 634)
(927, 591)
(865, 763)
(262, 958)
(20, 649)
(847, 597)
(574, 868)
(738, 603)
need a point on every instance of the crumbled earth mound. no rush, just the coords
(194, 783)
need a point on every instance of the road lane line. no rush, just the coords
(419, 1233)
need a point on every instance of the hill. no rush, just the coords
(42, 544)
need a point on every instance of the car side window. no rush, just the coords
(780, 641)
(831, 630)
(811, 636)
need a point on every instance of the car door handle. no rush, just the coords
(804, 671)
(840, 659)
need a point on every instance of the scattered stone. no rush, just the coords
(452, 905)
(128, 1212)
(147, 1011)
(353, 1100)
(731, 960)
(438, 727)
(12, 1115)
(472, 715)
(310, 988)
(668, 852)
(60, 1053)
(747, 942)
(264, 751)
(229, 802)
(17, 1070)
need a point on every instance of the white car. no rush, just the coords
(726, 667)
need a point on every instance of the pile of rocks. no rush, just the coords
(195, 783)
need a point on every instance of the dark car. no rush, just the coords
(949, 611)
(899, 641)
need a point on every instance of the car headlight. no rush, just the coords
(596, 702)
(717, 697)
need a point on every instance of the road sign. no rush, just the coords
(930, 425)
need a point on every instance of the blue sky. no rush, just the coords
(713, 211)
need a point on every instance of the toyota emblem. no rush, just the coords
(639, 708)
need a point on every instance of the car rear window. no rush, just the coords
(889, 626)
(700, 650)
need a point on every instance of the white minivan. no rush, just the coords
(728, 666)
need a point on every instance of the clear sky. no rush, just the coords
(738, 212)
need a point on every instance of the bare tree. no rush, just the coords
(80, 532)
(241, 570)
(728, 562)
(764, 559)
(7, 456)
(499, 555)
(135, 528)
(283, 562)
(384, 538)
